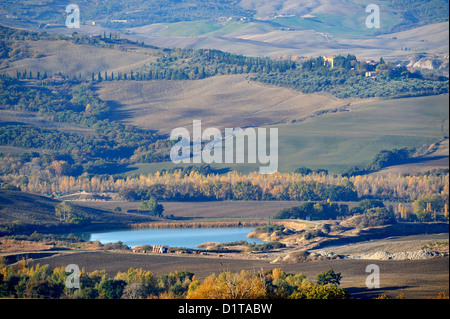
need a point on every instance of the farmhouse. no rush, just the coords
(58, 78)
(158, 249)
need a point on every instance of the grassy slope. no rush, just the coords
(316, 142)
(70, 59)
(307, 38)
(336, 141)
(39, 211)
(34, 119)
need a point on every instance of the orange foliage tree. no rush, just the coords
(227, 285)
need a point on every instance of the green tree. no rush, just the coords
(426, 206)
(312, 291)
(64, 211)
(42, 288)
(329, 277)
(153, 206)
(111, 288)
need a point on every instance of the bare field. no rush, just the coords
(213, 209)
(306, 37)
(74, 59)
(5, 149)
(221, 101)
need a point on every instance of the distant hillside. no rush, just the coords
(414, 13)
(250, 27)
(103, 120)
(20, 211)
(131, 13)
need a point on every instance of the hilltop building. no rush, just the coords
(371, 74)
(329, 60)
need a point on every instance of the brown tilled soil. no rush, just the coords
(393, 245)
(213, 209)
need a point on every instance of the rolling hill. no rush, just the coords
(256, 39)
(221, 101)
(316, 130)
(61, 56)
(337, 140)
(251, 27)
(28, 212)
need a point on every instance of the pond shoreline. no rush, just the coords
(189, 237)
(99, 227)
(199, 224)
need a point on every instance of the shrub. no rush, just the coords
(111, 289)
(315, 211)
(312, 291)
(329, 277)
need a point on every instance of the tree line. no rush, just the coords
(328, 210)
(346, 78)
(232, 185)
(41, 282)
(383, 158)
(242, 190)
(95, 152)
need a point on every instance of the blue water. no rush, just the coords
(173, 237)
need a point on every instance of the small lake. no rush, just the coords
(173, 237)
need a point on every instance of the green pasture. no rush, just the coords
(337, 141)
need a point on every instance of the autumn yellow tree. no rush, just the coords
(64, 210)
(59, 168)
(404, 211)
